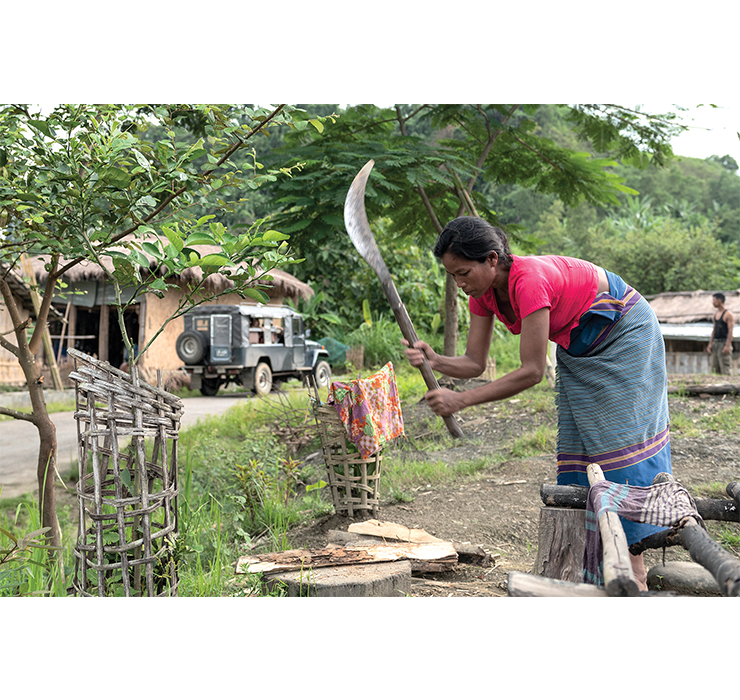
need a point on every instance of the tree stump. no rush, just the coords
(389, 579)
(561, 541)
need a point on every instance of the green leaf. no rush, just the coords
(42, 126)
(274, 236)
(253, 293)
(141, 160)
(214, 260)
(200, 238)
(139, 257)
(126, 478)
(152, 249)
(317, 125)
(116, 177)
(175, 239)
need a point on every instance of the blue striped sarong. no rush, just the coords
(611, 397)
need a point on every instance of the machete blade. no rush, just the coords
(358, 227)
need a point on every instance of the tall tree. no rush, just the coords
(421, 182)
(85, 182)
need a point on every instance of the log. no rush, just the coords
(575, 497)
(520, 585)
(733, 491)
(695, 389)
(564, 496)
(466, 553)
(426, 556)
(718, 509)
(561, 541)
(712, 556)
(619, 579)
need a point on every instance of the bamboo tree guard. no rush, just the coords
(353, 480)
(128, 522)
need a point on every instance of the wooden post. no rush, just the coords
(619, 579)
(72, 327)
(103, 328)
(65, 322)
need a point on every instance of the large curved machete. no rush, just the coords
(358, 227)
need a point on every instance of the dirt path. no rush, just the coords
(499, 508)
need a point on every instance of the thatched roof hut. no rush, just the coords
(10, 370)
(93, 332)
(282, 285)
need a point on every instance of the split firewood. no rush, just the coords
(391, 531)
(466, 553)
(426, 556)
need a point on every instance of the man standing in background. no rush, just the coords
(720, 342)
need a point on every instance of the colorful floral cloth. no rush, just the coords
(370, 409)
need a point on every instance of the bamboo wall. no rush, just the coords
(694, 363)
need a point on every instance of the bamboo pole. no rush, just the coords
(619, 579)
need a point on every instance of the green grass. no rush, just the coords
(542, 440)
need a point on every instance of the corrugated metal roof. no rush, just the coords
(691, 331)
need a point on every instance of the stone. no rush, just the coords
(683, 577)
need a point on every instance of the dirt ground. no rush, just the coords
(499, 507)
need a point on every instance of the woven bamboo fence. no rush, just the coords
(127, 498)
(353, 480)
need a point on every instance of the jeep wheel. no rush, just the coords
(191, 347)
(262, 379)
(322, 373)
(209, 386)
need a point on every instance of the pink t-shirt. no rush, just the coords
(566, 286)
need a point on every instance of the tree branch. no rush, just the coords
(42, 314)
(15, 317)
(174, 195)
(18, 415)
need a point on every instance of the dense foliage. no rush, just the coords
(594, 181)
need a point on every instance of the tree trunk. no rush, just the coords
(561, 541)
(451, 317)
(46, 466)
(46, 474)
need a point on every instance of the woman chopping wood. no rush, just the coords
(611, 376)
